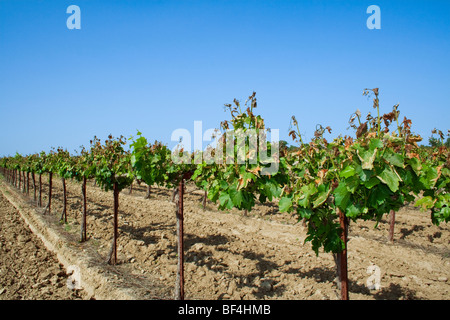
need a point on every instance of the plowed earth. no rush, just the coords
(27, 269)
(229, 255)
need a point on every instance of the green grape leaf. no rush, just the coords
(394, 158)
(236, 197)
(371, 183)
(347, 172)
(390, 178)
(416, 165)
(341, 195)
(225, 200)
(353, 211)
(285, 204)
(425, 203)
(321, 198)
(304, 213)
(375, 143)
(367, 158)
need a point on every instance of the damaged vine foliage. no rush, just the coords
(244, 166)
(154, 163)
(150, 161)
(112, 172)
(111, 162)
(365, 177)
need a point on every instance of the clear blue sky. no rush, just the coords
(160, 65)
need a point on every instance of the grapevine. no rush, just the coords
(326, 184)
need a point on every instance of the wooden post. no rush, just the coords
(391, 225)
(83, 221)
(50, 192)
(179, 286)
(28, 183)
(342, 257)
(40, 190)
(64, 212)
(149, 189)
(34, 185)
(204, 200)
(113, 253)
(116, 219)
(49, 204)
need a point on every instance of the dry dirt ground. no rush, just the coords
(27, 269)
(232, 256)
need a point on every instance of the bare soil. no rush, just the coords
(232, 256)
(27, 269)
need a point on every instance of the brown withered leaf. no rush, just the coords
(255, 171)
(348, 142)
(407, 123)
(362, 129)
(411, 155)
(336, 151)
(335, 184)
(389, 116)
(321, 174)
(293, 134)
(294, 121)
(287, 190)
(413, 139)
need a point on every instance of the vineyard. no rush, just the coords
(313, 228)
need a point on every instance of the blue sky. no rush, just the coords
(158, 66)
